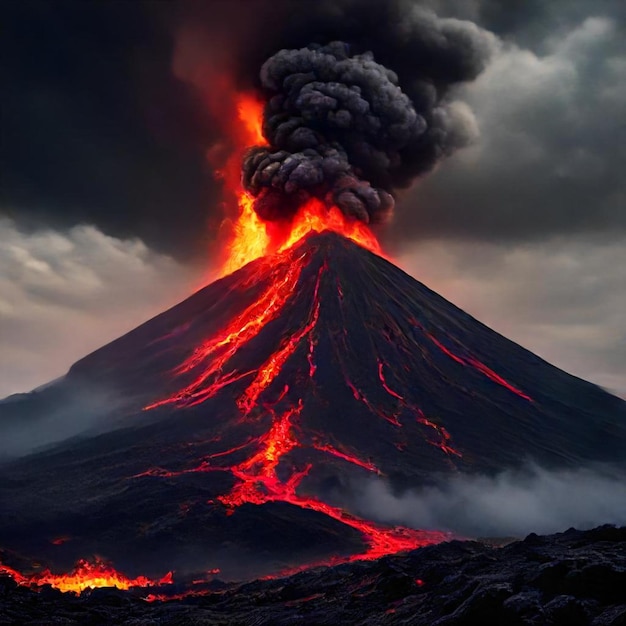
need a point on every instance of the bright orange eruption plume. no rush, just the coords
(254, 238)
(250, 112)
(86, 575)
(249, 236)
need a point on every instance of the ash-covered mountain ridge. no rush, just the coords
(376, 321)
(211, 449)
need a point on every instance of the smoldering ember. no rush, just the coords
(256, 453)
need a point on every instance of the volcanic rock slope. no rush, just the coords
(238, 411)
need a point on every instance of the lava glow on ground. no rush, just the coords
(86, 575)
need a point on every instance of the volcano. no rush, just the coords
(235, 422)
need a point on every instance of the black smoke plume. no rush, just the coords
(100, 125)
(335, 123)
(350, 131)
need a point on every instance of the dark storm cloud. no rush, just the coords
(97, 128)
(551, 109)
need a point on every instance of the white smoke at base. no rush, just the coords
(512, 503)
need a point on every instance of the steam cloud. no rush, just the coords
(341, 128)
(55, 417)
(513, 503)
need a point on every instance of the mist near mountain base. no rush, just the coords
(86, 411)
(512, 503)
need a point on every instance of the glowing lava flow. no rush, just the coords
(272, 367)
(350, 458)
(481, 367)
(258, 480)
(260, 484)
(86, 575)
(212, 356)
(443, 436)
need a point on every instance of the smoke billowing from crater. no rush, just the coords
(346, 129)
(334, 123)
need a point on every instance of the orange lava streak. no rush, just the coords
(443, 434)
(481, 367)
(381, 376)
(368, 465)
(86, 575)
(489, 373)
(271, 368)
(361, 397)
(249, 322)
(244, 327)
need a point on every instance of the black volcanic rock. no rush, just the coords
(390, 373)
(451, 584)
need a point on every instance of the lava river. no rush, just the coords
(209, 369)
(258, 481)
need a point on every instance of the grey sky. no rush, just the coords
(526, 229)
(551, 150)
(64, 294)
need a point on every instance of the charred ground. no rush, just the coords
(574, 578)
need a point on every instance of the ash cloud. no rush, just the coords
(98, 128)
(331, 115)
(513, 503)
(348, 130)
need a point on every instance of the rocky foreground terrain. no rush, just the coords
(573, 578)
